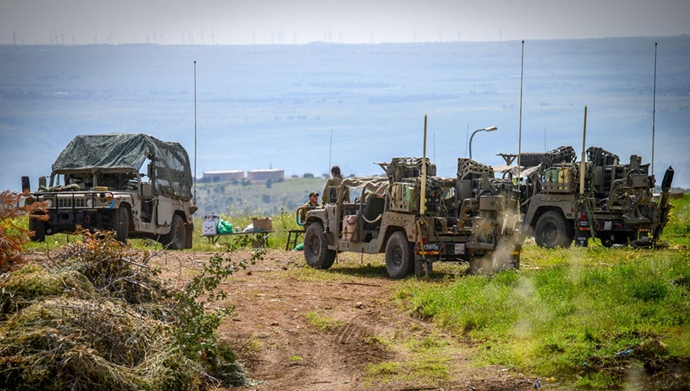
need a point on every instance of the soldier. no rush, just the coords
(335, 181)
(313, 202)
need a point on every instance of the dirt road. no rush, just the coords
(295, 328)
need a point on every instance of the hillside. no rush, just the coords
(298, 107)
(267, 199)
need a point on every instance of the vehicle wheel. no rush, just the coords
(177, 237)
(552, 231)
(39, 228)
(316, 250)
(399, 256)
(121, 224)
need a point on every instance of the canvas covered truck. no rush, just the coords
(471, 218)
(96, 184)
(616, 204)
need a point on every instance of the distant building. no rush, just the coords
(222, 176)
(264, 175)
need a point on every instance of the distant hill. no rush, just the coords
(257, 199)
(305, 107)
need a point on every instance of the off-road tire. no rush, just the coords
(399, 256)
(316, 250)
(121, 224)
(177, 237)
(39, 228)
(552, 230)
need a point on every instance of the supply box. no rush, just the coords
(209, 226)
(262, 224)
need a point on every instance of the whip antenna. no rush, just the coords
(654, 107)
(194, 132)
(330, 152)
(522, 73)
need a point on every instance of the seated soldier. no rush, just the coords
(313, 202)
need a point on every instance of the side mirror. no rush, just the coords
(332, 195)
(26, 185)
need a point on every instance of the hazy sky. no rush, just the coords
(343, 21)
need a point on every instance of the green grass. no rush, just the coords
(424, 360)
(552, 320)
(677, 231)
(568, 310)
(566, 314)
(322, 322)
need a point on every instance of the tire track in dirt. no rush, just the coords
(282, 349)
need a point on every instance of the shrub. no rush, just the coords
(13, 235)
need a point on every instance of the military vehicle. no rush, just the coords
(417, 219)
(96, 184)
(616, 204)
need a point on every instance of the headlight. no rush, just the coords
(49, 203)
(89, 203)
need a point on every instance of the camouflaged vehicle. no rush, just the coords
(467, 218)
(617, 205)
(96, 184)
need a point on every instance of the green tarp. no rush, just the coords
(170, 170)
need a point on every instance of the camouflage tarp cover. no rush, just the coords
(377, 185)
(171, 173)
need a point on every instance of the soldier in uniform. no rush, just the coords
(335, 181)
(313, 202)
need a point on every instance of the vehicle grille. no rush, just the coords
(71, 202)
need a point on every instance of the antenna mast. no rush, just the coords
(330, 153)
(654, 107)
(522, 73)
(422, 196)
(194, 132)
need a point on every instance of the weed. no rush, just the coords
(321, 322)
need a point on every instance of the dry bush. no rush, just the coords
(96, 317)
(12, 235)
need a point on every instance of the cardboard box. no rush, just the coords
(210, 225)
(262, 224)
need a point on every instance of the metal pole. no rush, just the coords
(330, 153)
(195, 132)
(522, 74)
(582, 159)
(654, 107)
(422, 196)
(471, 137)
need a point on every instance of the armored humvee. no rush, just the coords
(96, 184)
(466, 218)
(616, 205)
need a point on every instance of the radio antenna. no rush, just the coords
(194, 132)
(654, 107)
(330, 152)
(522, 73)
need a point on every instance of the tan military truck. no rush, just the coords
(616, 204)
(96, 184)
(467, 218)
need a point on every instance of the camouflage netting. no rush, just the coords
(171, 173)
(98, 318)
